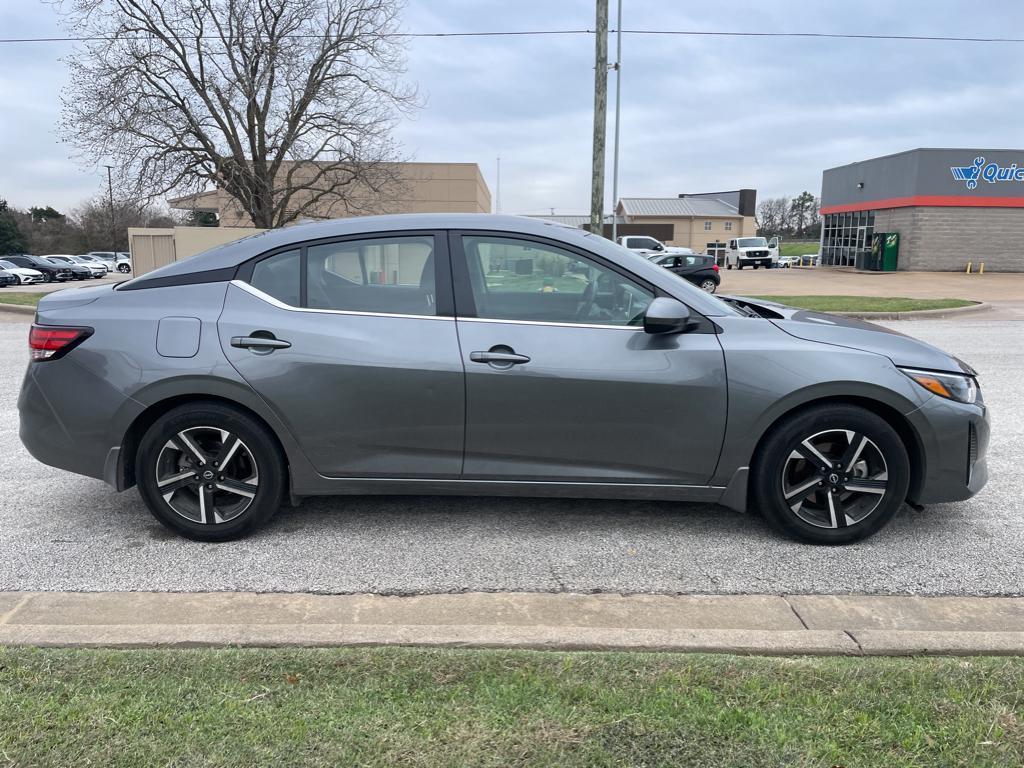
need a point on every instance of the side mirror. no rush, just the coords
(669, 316)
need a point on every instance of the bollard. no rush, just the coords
(969, 267)
(981, 268)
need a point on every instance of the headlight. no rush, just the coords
(953, 386)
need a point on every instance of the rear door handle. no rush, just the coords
(498, 358)
(258, 342)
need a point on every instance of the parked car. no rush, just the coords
(7, 278)
(51, 270)
(650, 246)
(698, 269)
(91, 261)
(785, 262)
(118, 260)
(494, 355)
(25, 276)
(78, 272)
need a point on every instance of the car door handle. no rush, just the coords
(499, 358)
(258, 342)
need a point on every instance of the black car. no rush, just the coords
(6, 278)
(78, 272)
(50, 269)
(699, 270)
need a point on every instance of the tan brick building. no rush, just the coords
(423, 188)
(704, 222)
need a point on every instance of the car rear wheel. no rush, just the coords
(124, 268)
(47, 277)
(832, 474)
(708, 285)
(210, 472)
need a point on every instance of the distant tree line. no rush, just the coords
(93, 226)
(798, 217)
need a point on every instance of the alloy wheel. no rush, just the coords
(834, 479)
(207, 475)
(708, 286)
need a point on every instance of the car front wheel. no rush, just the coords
(832, 474)
(210, 472)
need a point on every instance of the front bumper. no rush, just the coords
(954, 439)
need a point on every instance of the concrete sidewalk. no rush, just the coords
(753, 624)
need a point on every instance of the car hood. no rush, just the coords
(903, 350)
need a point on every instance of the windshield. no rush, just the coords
(7, 265)
(752, 242)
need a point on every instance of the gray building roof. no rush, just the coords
(574, 221)
(676, 206)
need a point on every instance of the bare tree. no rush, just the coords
(772, 216)
(285, 105)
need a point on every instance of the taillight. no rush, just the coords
(48, 342)
(714, 267)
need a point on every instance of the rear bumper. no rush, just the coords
(57, 431)
(955, 440)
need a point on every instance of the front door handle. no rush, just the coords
(499, 358)
(258, 342)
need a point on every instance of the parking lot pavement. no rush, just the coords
(990, 287)
(51, 287)
(63, 532)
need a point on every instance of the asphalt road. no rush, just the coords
(63, 532)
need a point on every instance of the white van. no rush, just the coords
(752, 251)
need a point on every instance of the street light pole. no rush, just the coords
(600, 119)
(618, 101)
(110, 197)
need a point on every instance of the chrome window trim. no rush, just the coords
(356, 313)
(550, 323)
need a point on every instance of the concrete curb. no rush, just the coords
(17, 309)
(847, 625)
(918, 314)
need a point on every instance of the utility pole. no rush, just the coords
(497, 197)
(110, 197)
(600, 119)
(618, 102)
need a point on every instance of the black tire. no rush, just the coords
(47, 277)
(756, 266)
(728, 266)
(124, 268)
(708, 286)
(262, 456)
(776, 456)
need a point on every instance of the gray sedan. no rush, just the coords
(485, 355)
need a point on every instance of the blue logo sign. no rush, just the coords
(990, 172)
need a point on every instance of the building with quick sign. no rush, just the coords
(947, 206)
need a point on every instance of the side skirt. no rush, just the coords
(358, 486)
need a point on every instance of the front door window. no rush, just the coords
(524, 280)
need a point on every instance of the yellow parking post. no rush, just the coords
(981, 268)
(969, 267)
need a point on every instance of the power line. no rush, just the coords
(541, 32)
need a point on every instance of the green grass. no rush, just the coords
(798, 249)
(415, 707)
(22, 299)
(865, 303)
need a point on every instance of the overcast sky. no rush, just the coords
(698, 114)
